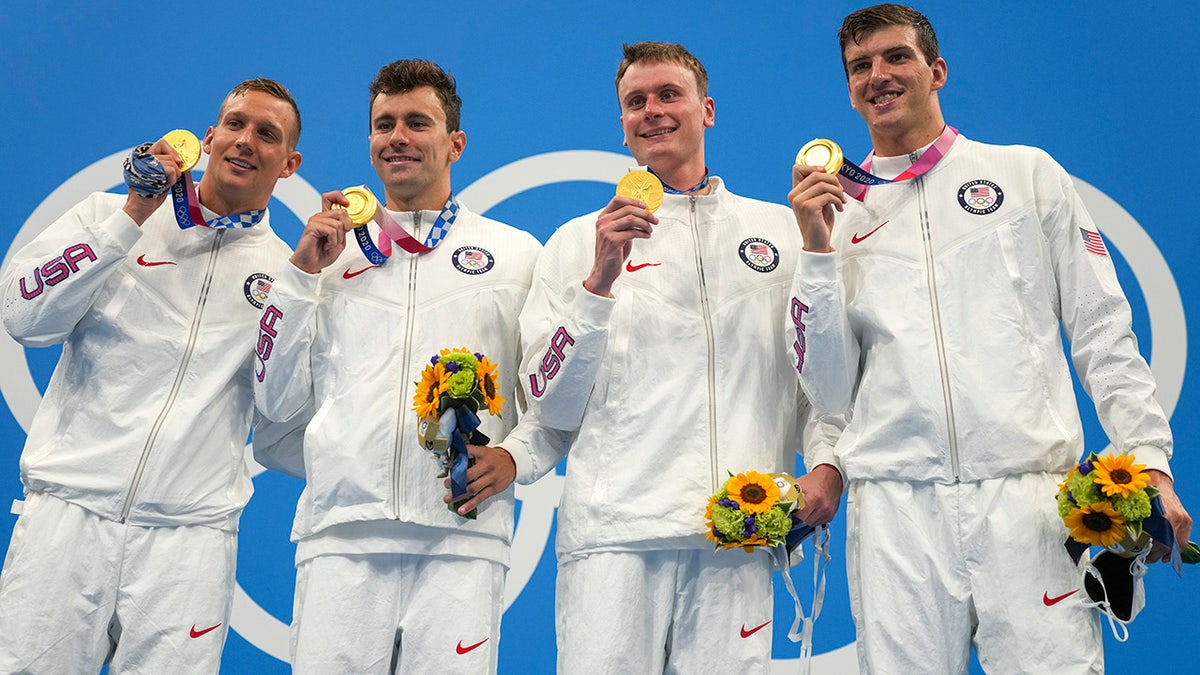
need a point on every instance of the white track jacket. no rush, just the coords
(146, 417)
(352, 342)
(938, 318)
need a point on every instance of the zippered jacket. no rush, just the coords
(938, 321)
(673, 383)
(146, 416)
(352, 341)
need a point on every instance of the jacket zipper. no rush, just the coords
(939, 338)
(403, 413)
(193, 335)
(708, 333)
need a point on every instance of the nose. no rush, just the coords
(879, 71)
(399, 135)
(653, 107)
(245, 139)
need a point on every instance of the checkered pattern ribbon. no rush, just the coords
(390, 231)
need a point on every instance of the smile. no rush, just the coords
(885, 98)
(658, 132)
(240, 163)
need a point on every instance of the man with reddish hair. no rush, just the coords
(652, 342)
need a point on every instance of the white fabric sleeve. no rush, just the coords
(567, 329)
(1097, 321)
(283, 383)
(51, 283)
(821, 343)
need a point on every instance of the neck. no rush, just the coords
(890, 143)
(224, 205)
(432, 199)
(682, 177)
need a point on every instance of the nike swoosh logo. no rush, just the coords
(350, 275)
(630, 267)
(147, 263)
(463, 650)
(752, 631)
(197, 633)
(1050, 602)
(856, 239)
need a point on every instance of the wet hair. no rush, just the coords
(658, 52)
(858, 25)
(271, 88)
(405, 75)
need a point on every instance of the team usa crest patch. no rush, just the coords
(980, 197)
(473, 260)
(759, 254)
(256, 288)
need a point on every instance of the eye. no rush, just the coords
(669, 95)
(635, 102)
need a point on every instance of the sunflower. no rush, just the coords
(429, 390)
(1097, 524)
(1118, 475)
(754, 492)
(487, 374)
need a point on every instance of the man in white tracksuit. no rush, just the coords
(133, 469)
(662, 363)
(388, 578)
(932, 311)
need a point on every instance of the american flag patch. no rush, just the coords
(1092, 242)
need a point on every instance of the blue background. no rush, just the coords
(1106, 89)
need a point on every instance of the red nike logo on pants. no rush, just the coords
(463, 650)
(197, 633)
(752, 631)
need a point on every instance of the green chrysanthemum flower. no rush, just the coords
(1065, 505)
(1133, 508)
(462, 384)
(729, 522)
(773, 525)
(465, 360)
(1083, 489)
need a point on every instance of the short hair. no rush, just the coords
(405, 75)
(658, 52)
(271, 88)
(858, 25)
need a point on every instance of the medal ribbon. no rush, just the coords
(390, 231)
(188, 213)
(855, 179)
(672, 191)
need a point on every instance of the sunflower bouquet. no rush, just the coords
(752, 509)
(1107, 500)
(454, 386)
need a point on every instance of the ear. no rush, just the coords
(850, 95)
(710, 112)
(940, 72)
(458, 143)
(206, 144)
(293, 163)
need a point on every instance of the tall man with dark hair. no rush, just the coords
(389, 579)
(653, 343)
(133, 470)
(932, 312)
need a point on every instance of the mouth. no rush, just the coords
(884, 99)
(400, 159)
(240, 163)
(658, 132)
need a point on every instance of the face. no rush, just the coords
(411, 149)
(249, 149)
(663, 114)
(894, 89)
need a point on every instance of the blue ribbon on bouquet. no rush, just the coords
(466, 424)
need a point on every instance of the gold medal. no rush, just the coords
(643, 186)
(362, 204)
(186, 145)
(821, 152)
